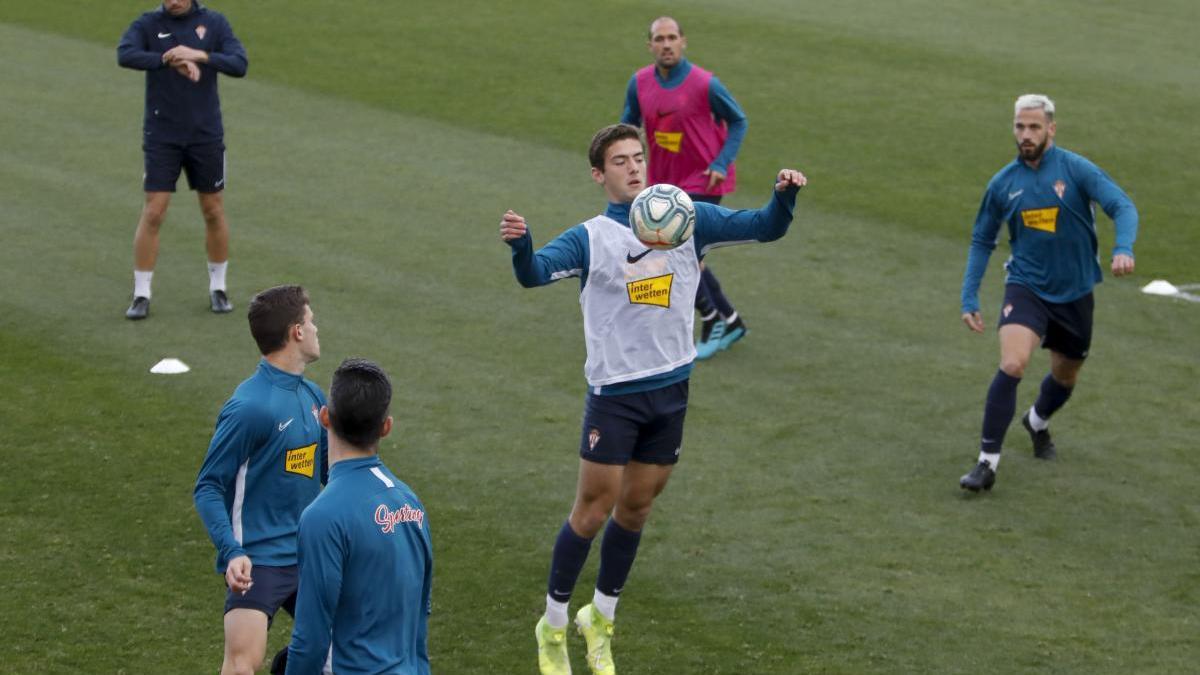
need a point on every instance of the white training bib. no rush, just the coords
(637, 305)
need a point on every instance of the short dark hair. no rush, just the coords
(272, 312)
(606, 137)
(358, 402)
(650, 32)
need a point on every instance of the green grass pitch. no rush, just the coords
(814, 525)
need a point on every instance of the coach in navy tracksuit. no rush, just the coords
(366, 561)
(182, 46)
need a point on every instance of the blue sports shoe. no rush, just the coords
(733, 332)
(710, 339)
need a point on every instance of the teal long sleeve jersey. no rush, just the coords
(266, 463)
(366, 573)
(1051, 226)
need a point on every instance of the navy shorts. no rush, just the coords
(1064, 327)
(646, 426)
(204, 164)
(273, 587)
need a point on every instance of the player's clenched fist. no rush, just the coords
(512, 226)
(789, 178)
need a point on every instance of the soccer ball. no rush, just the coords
(662, 217)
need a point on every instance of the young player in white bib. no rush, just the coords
(637, 320)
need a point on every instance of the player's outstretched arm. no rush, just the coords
(565, 256)
(719, 226)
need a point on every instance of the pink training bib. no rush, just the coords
(683, 135)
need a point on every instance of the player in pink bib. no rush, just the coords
(694, 128)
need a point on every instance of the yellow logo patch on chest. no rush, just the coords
(1045, 220)
(301, 461)
(652, 291)
(669, 140)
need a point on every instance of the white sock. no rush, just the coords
(992, 458)
(141, 283)
(1037, 422)
(605, 604)
(216, 276)
(556, 613)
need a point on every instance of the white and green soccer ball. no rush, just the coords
(662, 217)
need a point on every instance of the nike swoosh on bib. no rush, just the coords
(631, 259)
(163, 35)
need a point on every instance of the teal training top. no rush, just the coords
(265, 464)
(366, 572)
(1051, 226)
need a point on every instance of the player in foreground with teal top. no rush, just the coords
(1045, 198)
(637, 322)
(366, 560)
(265, 464)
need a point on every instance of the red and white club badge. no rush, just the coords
(201, 31)
(1060, 188)
(593, 438)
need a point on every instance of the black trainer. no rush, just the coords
(706, 329)
(138, 309)
(220, 302)
(279, 663)
(982, 477)
(1043, 447)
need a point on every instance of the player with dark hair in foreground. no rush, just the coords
(366, 560)
(637, 323)
(1045, 197)
(266, 462)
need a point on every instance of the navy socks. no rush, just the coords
(1051, 397)
(617, 552)
(570, 553)
(998, 411)
(712, 288)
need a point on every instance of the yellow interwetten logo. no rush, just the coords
(301, 460)
(668, 140)
(652, 291)
(1041, 219)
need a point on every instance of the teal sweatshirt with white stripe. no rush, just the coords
(264, 466)
(366, 574)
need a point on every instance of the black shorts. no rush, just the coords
(204, 164)
(646, 426)
(273, 587)
(1064, 327)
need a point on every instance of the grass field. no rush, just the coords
(814, 525)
